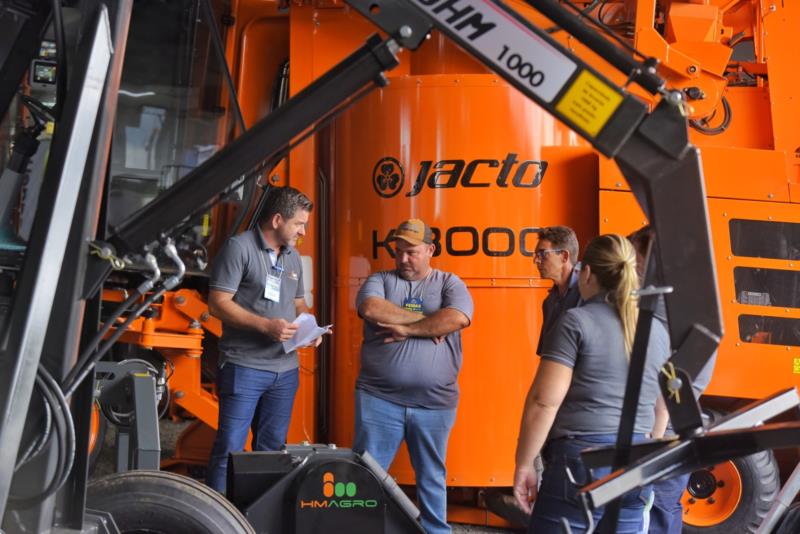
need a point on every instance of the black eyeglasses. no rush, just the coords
(540, 254)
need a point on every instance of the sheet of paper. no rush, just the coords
(307, 331)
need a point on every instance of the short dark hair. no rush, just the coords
(562, 237)
(641, 238)
(284, 201)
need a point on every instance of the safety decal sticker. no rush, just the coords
(589, 103)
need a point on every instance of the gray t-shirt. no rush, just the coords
(589, 340)
(241, 268)
(416, 372)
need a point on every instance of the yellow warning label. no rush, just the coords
(206, 224)
(589, 103)
(796, 366)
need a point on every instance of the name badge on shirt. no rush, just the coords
(272, 289)
(413, 305)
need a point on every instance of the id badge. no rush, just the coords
(272, 289)
(413, 305)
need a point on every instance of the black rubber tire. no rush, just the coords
(760, 485)
(161, 502)
(790, 522)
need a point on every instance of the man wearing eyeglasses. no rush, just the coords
(556, 258)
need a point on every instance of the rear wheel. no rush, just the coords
(733, 496)
(156, 502)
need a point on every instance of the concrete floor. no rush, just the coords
(169, 434)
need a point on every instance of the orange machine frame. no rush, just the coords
(752, 170)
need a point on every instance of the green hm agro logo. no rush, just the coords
(334, 491)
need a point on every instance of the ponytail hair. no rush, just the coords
(613, 260)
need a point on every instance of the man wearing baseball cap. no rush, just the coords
(410, 359)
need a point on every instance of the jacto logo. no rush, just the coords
(388, 176)
(334, 491)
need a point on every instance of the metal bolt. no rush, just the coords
(406, 31)
(720, 483)
(618, 184)
(692, 500)
(179, 300)
(204, 317)
(692, 69)
(711, 500)
(179, 394)
(770, 195)
(194, 324)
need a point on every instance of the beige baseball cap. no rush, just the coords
(414, 231)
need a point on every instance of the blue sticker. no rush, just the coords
(413, 305)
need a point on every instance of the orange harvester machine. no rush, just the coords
(451, 143)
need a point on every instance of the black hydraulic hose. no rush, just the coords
(640, 73)
(702, 126)
(65, 432)
(41, 440)
(62, 403)
(69, 388)
(98, 337)
(71, 381)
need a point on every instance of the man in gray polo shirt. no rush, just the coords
(410, 358)
(556, 258)
(256, 290)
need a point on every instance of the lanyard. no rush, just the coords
(278, 266)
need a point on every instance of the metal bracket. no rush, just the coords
(129, 398)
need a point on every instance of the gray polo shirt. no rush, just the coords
(556, 304)
(416, 372)
(589, 340)
(241, 268)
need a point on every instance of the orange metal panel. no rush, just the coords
(444, 124)
(743, 370)
(780, 21)
(750, 127)
(749, 370)
(729, 173)
(475, 516)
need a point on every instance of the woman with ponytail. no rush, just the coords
(575, 401)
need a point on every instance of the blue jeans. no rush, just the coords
(557, 496)
(380, 428)
(245, 393)
(666, 516)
